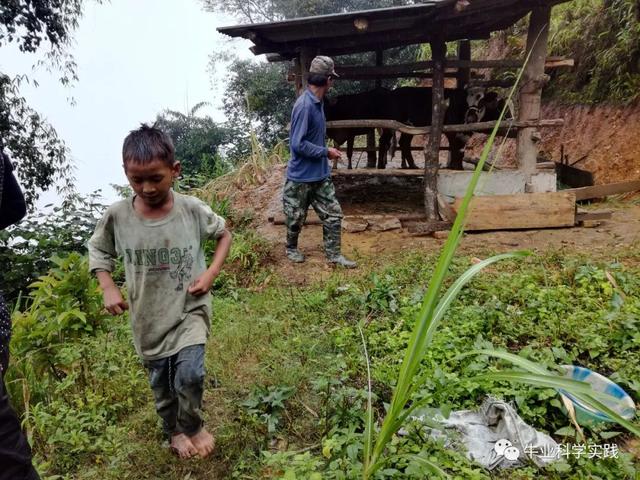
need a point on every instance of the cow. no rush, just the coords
(358, 106)
(412, 106)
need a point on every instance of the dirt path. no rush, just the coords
(615, 235)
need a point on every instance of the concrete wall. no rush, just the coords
(451, 184)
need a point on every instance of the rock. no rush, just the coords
(354, 225)
(385, 224)
(441, 234)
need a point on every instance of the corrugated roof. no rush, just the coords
(337, 34)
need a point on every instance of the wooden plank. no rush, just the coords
(594, 215)
(387, 172)
(525, 210)
(447, 213)
(599, 191)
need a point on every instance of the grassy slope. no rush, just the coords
(562, 307)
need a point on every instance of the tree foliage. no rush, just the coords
(603, 36)
(254, 11)
(44, 26)
(27, 248)
(257, 98)
(197, 139)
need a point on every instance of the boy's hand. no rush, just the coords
(202, 284)
(113, 301)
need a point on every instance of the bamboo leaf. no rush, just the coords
(517, 360)
(543, 381)
(368, 429)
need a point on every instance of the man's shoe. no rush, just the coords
(295, 255)
(343, 262)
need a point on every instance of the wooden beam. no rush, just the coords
(520, 211)
(450, 63)
(462, 128)
(600, 191)
(432, 148)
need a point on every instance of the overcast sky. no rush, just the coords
(135, 58)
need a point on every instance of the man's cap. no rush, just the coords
(323, 66)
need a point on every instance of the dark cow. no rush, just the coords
(412, 106)
(358, 106)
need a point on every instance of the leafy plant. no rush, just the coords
(426, 323)
(26, 249)
(267, 404)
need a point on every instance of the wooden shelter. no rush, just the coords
(436, 23)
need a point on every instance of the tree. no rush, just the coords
(197, 140)
(259, 98)
(36, 26)
(254, 11)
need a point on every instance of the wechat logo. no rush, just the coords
(504, 448)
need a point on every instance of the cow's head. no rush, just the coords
(475, 111)
(483, 106)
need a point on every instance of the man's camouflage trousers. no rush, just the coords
(297, 197)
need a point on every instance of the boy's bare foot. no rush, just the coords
(182, 446)
(204, 442)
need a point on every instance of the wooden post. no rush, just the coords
(533, 80)
(464, 53)
(432, 148)
(379, 63)
(457, 142)
(298, 76)
(303, 65)
(371, 148)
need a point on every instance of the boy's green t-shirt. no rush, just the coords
(162, 257)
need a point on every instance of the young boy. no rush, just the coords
(159, 234)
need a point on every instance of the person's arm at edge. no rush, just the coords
(203, 283)
(13, 207)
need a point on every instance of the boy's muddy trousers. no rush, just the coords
(296, 198)
(177, 383)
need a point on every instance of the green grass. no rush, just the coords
(287, 389)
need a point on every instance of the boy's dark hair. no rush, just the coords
(317, 79)
(146, 144)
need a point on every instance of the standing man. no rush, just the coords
(308, 173)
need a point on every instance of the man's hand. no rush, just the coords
(202, 284)
(334, 154)
(113, 301)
